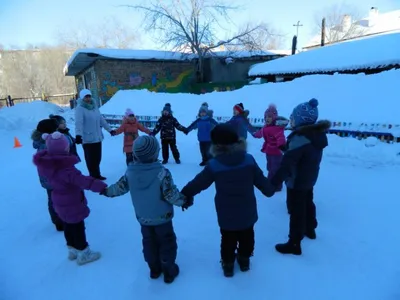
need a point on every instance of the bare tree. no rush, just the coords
(193, 24)
(110, 33)
(341, 23)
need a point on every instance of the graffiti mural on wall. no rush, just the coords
(161, 81)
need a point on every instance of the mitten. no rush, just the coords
(188, 203)
(113, 133)
(78, 139)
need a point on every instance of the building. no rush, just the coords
(369, 55)
(105, 71)
(375, 24)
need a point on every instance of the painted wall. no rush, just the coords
(157, 76)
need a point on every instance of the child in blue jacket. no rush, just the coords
(240, 122)
(204, 124)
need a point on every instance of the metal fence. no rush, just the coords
(60, 99)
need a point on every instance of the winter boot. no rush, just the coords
(311, 234)
(290, 247)
(244, 263)
(164, 162)
(155, 272)
(72, 253)
(228, 268)
(171, 274)
(87, 256)
(178, 161)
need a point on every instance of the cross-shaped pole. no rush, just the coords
(297, 25)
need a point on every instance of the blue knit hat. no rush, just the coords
(305, 113)
(146, 149)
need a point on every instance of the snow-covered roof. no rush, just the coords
(83, 58)
(375, 24)
(369, 53)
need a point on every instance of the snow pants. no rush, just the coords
(160, 247)
(75, 235)
(302, 212)
(53, 215)
(273, 164)
(241, 240)
(165, 145)
(205, 151)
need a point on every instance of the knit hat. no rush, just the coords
(129, 112)
(57, 118)
(305, 113)
(224, 134)
(204, 104)
(239, 107)
(85, 92)
(146, 149)
(203, 109)
(167, 107)
(47, 126)
(271, 112)
(56, 143)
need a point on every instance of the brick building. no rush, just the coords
(105, 71)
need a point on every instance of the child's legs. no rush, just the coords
(298, 215)
(229, 240)
(312, 222)
(53, 215)
(273, 164)
(205, 150)
(150, 247)
(129, 158)
(165, 149)
(246, 242)
(168, 247)
(174, 149)
(75, 235)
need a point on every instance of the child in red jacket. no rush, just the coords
(274, 139)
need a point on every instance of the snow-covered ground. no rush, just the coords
(354, 257)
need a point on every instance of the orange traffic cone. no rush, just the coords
(17, 144)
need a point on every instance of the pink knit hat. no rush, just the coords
(128, 112)
(271, 112)
(56, 143)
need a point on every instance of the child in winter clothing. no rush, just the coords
(58, 167)
(46, 126)
(274, 140)
(235, 173)
(300, 168)
(167, 124)
(130, 127)
(210, 112)
(240, 122)
(204, 124)
(153, 195)
(62, 127)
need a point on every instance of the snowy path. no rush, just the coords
(354, 257)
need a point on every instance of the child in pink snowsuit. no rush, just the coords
(274, 137)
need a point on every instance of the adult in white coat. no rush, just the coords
(88, 128)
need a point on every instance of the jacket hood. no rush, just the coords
(316, 133)
(36, 136)
(230, 155)
(146, 174)
(281, 121)
(49, 164)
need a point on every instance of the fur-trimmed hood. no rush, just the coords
(36, 136)
(229, 154)
(320, 126)
(316, 133)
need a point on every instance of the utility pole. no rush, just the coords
(297, 25)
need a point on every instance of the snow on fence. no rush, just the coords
(384, 132)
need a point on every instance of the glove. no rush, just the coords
(113, 133)
(78, 140)
(103, 192)
(151, 134)
(188, 203)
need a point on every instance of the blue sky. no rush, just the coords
(36, 21)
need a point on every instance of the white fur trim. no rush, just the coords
(56, 135)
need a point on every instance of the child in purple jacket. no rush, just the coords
(68, 185)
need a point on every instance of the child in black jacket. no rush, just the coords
(299, 169)
(62, 128)
(235, 173)
(167, 125)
